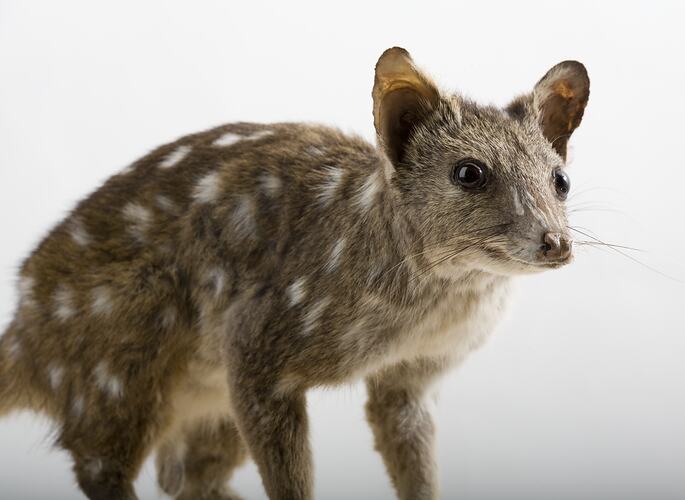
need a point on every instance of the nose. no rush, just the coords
(556, 246)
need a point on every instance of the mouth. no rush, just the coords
(553, 264)
(541, 263)
(547, 264)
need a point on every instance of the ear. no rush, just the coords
(402, 97)
(559, 99)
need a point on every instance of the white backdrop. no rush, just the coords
(579, 394)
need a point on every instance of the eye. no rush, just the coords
(470, 174)
(561, 183)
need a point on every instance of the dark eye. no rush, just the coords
(470, 174)
(561, 183)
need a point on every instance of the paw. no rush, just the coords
(170, 476)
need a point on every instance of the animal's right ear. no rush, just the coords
(402, 97)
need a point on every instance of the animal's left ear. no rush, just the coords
(559, 98)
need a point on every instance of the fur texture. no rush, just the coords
(188, 304)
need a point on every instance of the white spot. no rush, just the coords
(168, 318)
(101, 300)
(228, 139)
(367, 193)
(140, 219)
(216, 278)
(128, 170)
(329, 187)
(165, 204)
(165, 248)
(517, 201)
(77, 406)
(107, 382)
(296, 292)
(260, 134)
(312, 317)
(207, 190)
(243, 217)
(25, 287)
(93, 467)
(334, 258)
(137, 213)
(314, 151)
(14, 347)
(270, 184)
(78, 232)
(175, 157)
(64, 303)
(352, 334)
(55, 374)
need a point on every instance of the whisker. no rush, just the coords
(447, 240)
(594, 235)
(589, 203)
(628, 256)
(453, 253)
(464, 236)
(597, 243)
(585, 190)
(595, 209)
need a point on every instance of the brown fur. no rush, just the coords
(189, 303)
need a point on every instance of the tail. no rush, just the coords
(10, 349)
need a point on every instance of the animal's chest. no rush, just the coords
(456, 323)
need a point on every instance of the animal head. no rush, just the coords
(485, 186)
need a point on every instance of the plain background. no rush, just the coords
(579, 393)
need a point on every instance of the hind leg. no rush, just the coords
(199, 467)
(109, 451)
(110, 416)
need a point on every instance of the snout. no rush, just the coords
(556, 248)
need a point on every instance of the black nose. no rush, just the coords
(556, 246)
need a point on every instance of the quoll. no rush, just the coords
(187, 305)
